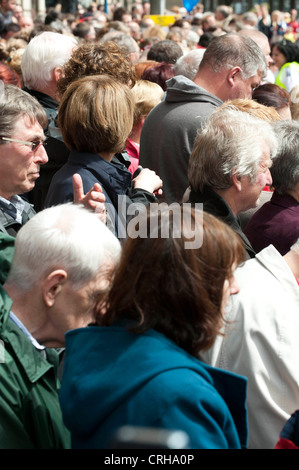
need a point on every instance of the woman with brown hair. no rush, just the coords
(141, 67)
(274, 96)
(140, 366)
(96, 117)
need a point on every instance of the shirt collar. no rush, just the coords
(14, 207)
(22, 327)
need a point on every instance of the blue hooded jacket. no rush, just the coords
(113, 378)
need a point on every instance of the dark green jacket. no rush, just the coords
(30, 416)
(7, 244)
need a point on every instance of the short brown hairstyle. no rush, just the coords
(96, 114)
(161, 284)
(95, 59)
(273, 95)
(140, 67)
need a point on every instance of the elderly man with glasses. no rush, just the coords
(22, 152)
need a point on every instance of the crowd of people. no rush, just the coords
(149, 241)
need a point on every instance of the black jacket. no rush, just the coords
(115, 179)
(216, 205)
(56, 150)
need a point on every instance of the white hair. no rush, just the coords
(231, 141)
(188, 64)
(68, 237)
(124, 41)
(43, 53)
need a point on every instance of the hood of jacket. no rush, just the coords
(101, 373)
(180, 89)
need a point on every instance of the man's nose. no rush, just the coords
(41, 155)
(269, 178)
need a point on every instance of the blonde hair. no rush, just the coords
(156, 32)
(267, 113)
(294, 96)
(146, 96)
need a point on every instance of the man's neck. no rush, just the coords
(6, 196)
(20, 302)
(49, 91)
(212, 83)
(230, 198)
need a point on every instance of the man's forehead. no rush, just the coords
(255, 80)
(266, 159)
(27, 121)
(265, 46)
(28, 124)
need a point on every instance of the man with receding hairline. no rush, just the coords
(263, 42)
(22, 154)
(232, 66)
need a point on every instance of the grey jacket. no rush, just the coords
(9, 225)
(169, 132)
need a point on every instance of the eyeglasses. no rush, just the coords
(34, 145)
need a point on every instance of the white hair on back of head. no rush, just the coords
(66, 237)
(188, 64)
(43, 53)
(230, 142)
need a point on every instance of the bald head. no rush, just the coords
(261, 40)
(234, 49)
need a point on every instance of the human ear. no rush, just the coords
(52, 286)
(233, 75)
(57, 73)
(237, 181)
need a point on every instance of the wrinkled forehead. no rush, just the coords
(26, 122)
(266, 160)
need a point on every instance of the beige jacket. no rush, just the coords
(262, 343)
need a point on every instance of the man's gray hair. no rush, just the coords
(188, 64)
(14, 104)
(230, 142)
(231, 50)
(124, 41)
(45, 52)
(67, 237)
(285, 168)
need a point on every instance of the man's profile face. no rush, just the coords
(253, 189)
(243, 88)
(19, 164)
(265, 46)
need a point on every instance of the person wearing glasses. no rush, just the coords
(22, 153)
